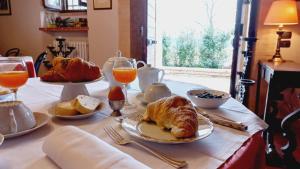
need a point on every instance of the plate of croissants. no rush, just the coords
(72, 70)
(170, 120)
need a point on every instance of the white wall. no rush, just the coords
(103, 35)
(21, 30)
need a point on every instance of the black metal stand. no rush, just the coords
(64, 50)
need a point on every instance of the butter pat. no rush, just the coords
(86, 104)
(66, 109)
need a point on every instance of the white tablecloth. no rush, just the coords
(211, 152)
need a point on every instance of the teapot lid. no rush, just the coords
(118, 56)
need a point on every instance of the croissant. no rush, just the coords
(71, 70)
(175, 113)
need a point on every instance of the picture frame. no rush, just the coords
(5, 7)
(102, 4)
(54, 5)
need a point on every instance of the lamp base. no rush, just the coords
(276, 59)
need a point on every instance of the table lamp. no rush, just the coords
(282, 12)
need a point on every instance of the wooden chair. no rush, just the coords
(290, 126)
(13, 52)
(283, 141)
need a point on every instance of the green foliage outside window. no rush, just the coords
(188, 50)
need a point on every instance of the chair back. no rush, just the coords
(12, 52)
(39, 61)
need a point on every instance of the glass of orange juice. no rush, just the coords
(13, 73)
(125, 72)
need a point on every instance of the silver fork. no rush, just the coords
(118, 139)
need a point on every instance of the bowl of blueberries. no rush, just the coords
(206, 98)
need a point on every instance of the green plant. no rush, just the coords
(213, 48)
(186, 49)
(166, 50)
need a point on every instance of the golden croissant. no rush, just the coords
(175, 113)
(71, 70)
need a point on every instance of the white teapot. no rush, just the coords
(107, 69)
(148, 75)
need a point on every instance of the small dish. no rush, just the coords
(206, 98)
(152, 133)
(75, 117)
(41, 120)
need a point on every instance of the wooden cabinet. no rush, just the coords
(272, 80)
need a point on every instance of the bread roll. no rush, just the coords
(175, 113)
(71, 70)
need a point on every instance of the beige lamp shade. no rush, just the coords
(282, 12)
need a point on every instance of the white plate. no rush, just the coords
(73, 83)
(41, 120)
(151, 132)
(75, 117)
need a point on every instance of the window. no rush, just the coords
(65, 5)
(76, 5)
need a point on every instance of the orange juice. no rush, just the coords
(13, 79)
(125, 75)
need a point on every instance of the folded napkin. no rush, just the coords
(72, 148)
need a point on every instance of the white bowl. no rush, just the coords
(198, 98)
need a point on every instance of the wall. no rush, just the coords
(266, 44)
(124, 27)
(103, 33)
(21, 30)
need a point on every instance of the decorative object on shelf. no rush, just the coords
(102, 4)
(282, 13)
(5, 8)
(63, 49)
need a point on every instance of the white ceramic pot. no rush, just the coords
(15, 117)
(107, 71)
(156, 91)
(148, 75)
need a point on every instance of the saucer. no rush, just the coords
(140, 97)
(41, 120)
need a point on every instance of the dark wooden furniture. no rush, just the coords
(275, 78)
(290, 134)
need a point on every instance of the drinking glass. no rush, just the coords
(125, 72)
(13, 73)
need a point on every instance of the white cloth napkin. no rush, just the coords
(72, 148)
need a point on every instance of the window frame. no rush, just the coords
(62, 8)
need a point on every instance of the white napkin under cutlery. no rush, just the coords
(72, 148)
